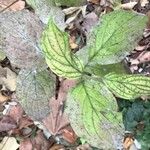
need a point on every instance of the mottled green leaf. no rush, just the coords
(92, 113)
(70, 2)
(34, 90)
(102, 70)
(116, 35)
(58, 54)
(128, 86)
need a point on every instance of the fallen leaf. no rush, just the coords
(13, 5)
(26, 144)
(69, 135)
(57, 120)
(72, 42)
(128, 142)
(144, 2)
(142, 58)
(20, 33)
(89, 22)
(84, 147)
(34, 90)
(15, 112)
(129, 5)
(94, 1)
(3, 98)
(7, 123)
(9, 143)
(57, 147)
(9, 80)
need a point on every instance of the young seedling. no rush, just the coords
(91, 104)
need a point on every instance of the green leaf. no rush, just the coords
(102, 70)
(128, 86)
(115, 36)
(92, 113)
(34, 90)
(70, 2)
(58, 54)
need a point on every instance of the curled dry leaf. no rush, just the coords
(20, 33)
(7, 123)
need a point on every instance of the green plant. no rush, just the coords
(91, 104)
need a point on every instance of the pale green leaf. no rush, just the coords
(34, 90)
(2, 55)
(70, 2)
(92, 113)
(58, 54)
(128, 86)
(115, 36)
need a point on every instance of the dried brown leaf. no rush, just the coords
(13, 5)
(7, 123)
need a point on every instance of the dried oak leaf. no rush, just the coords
(34, 90)
(20, 33)
(7, 123)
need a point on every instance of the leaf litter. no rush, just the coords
(56, 115)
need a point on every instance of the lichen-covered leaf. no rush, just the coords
(58, 54)
(70, 2)
(128, 86)
(92, 112)
(34, 90)
(19, 38)
(116, 35)
(46, 9)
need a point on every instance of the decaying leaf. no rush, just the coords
(20, 32)
(116, 35)
(57, 120)
(7, 123)
(12, 4)
(9, 80)
(56, 48)
(92, 113)
(128, 86)
(48, 10)
(34, 90)
(9, 143)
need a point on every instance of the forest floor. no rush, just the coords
(19, 131)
